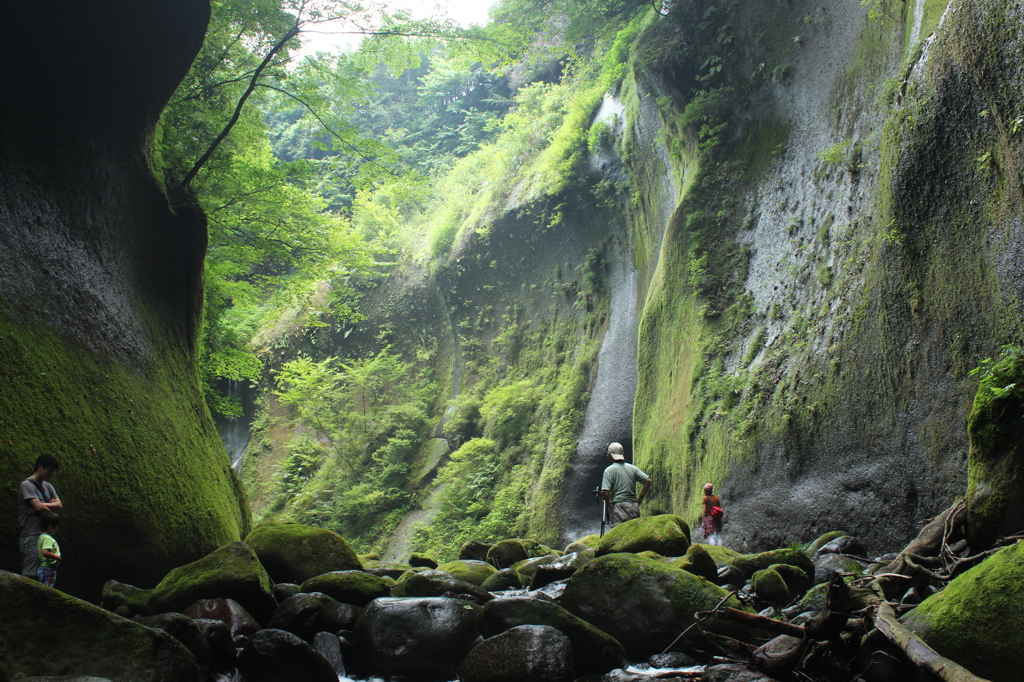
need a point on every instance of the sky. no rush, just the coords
(465, 12)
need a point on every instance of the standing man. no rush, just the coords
(618, 485)
(36, 495)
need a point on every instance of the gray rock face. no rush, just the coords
(526, 653)
(279, 656)
(425, 637)
(305, 614)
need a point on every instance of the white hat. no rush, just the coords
(615, 451)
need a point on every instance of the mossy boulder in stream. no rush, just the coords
(749, 563)
(46, 632)
(770, 586)
(698, 561)
(470, 570)
(294, 553)
(978, 620)
(642, 603)
(666, 534)
(507, 552)
(231, 572)
(350, 587)
(995, 463)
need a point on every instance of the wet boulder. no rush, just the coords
(417, 637)
(844, 544)
(284, 590)
(308, 613)
(584, 543)
(594, 652)
(183, 629)
(528, 567)
(641, 602)
(470, 570)
(505, 579)
(507, 552)
(349, 587)
(294, 553)
(561, 568)
(231, 572)
(474, 550)
(279, 656)
(698, 561)
(328, 645)
(134, 599)
(393, 571)
(218, 639)
(526, 653)
(46, 632)
(227, 611)
(770, 586)
(419, 559)
(734, 672)
(438, 584)
(977, 620)
(827, 565)
(666, 534)
(823, 540)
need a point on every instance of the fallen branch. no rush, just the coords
(919, 653)
(699, 617)
(758, 621)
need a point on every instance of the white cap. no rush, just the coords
(616, 452)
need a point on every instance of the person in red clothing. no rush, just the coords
(712, 519)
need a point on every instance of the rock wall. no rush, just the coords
(100, 295)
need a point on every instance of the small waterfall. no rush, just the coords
(609, 414)
(234, 433)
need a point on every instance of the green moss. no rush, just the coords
(350, 587)
(699, 562)
(294, 553)
(770, 586)
(665, 534)
(145, 482)
(748, 563)
(475, 572)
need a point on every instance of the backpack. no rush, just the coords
(716, 513)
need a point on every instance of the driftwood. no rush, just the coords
(919, 653)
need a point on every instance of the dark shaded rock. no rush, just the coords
(734, 672)
(528, 567)
(227, 611)
(844, 544)
(526, 653)
(231, 572)
(507, 552)
(505, 579)
(641, 602)
(780, 653)
(328, 645)
(797, 580)
(666, 534)
(474, 550)
(418, 559)
(284, 590)
(183, 629)
(438, 584)
(393, 571)
(594, 652)
(698, 562)
(134, 599)
(472, 571)
(730, 575)
(560, 569)
(218, 639)
(92, 641)
(823, 540)
(673, 659)
(294, 553)
(827, 565)
(307, 613)
(425, 637)
(770, 586)
(349, 587)
(279, 656)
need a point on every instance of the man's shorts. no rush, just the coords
(30, 556)
(624, 511)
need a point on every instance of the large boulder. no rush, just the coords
(438, 584)
(231, 572)
(594, 652)
(641, 602)
(526, 653)
(559, 569)
(307, 613)
(666, 534)
(977, 620)
(294, 553)
(238, 621)
(349, 587)
(46, 632)
(218, 639)
(474, 550)
(505, 579)
(698, 561)
(134, 599)
(279, 656)
(425, 637)
(183, 629)
(470, 570)
(507, 552)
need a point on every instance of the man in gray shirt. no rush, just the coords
(36, 495)
(618, 486)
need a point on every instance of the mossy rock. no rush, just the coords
(978, 620)
(508, 552)
(505, 579)
(823, 540)
(666, 534)
(722, 556)
(372, 556)
(995, 462)
(437, 584)
(698, 561)
(474, 550)
(420, 559)
(584, 543)
(649, 554)
(594, 652)
(472, 571)
(641, 603)
(796, 578)
(135, 599)
(231, 572)
(46, 632)
(528, 567)
(815, 599)
(770, 586)
(294, 553)
(749, 563)
(350, 587)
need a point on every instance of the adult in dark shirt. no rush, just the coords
(36, 495)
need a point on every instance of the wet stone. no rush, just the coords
(526, 653)
(328, 645)
(278, 656)
(306, 614)
(218, 638)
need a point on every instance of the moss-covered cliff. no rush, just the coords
(100, 297)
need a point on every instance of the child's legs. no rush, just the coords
(30, 556)
(716, 538)
(47, 575)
